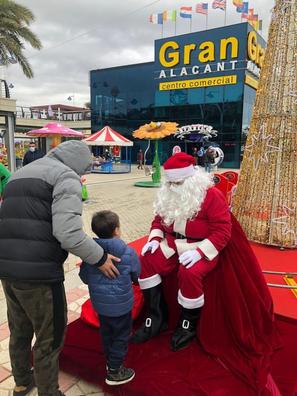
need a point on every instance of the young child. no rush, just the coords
(113, 298)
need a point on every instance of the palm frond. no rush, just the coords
(15, 33)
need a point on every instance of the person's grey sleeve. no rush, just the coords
(67, 221)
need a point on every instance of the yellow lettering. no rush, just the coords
(252, 46)
(187, 53)
(167, 57)
(261, 56)
(207, 53)
(255, 52)
(224, 47)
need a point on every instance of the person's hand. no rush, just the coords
(189, 258)
(152, 246)
(108, 268)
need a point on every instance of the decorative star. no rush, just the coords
(288, 214)
(261, 147)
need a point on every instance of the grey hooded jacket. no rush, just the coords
(40, 217)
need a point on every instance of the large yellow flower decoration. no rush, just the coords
(156, 130)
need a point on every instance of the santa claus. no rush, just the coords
(192, 225)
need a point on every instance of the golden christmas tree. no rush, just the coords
(266, 197)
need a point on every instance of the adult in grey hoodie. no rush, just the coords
(40, 222)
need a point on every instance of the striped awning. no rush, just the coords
(107, 137)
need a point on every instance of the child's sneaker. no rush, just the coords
(119, 376)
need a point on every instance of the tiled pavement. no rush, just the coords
(134, 207)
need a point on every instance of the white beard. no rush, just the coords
(182, 202)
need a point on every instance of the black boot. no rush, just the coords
(185, 331)
(156, 321)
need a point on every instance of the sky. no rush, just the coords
(82, 35)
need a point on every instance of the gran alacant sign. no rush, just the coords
(208, 58)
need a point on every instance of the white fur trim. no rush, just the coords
(155, 233)
(179, 173)
(190, 303)
(148, 283)
(180, 226)
(208, 249)
(166, 250)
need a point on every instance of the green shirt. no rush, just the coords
(4, 175)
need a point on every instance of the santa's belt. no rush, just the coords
(176, 235)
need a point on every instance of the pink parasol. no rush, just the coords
(53, 129)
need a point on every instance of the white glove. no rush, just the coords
(189, 258)
(152, 246)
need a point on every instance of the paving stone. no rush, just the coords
(87, 388)
(73, 306)
(74, 391)
(4, 344)
(82, 300)
(4, 331)
(7, 366)
(72, 316)
(4, 357)
(79, 292)
(4, 374)
(66, 381)
(8, 383)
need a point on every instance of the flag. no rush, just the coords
(254, 17)
(260, 24)
(169, 15)
(244, 8)
(202, 8)
(156, 19)
(238, 3)
(221, 4)
(186, 12)
(255, 24)
(250, 16)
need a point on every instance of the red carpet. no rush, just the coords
(274, 259)
(160, 372)
(190, 372)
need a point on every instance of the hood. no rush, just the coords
(75, 154)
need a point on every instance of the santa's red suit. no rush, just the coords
(232, 304)
(209, 231)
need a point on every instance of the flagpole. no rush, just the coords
(162, 30)
(206, 21)
(225, 18)
(191, 24)
(175, 26)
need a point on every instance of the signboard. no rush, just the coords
(209, 58)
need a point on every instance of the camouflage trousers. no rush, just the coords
(39, 309)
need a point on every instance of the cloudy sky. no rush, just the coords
(81, 35)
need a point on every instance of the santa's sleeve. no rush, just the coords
(157, 230)
(219, 223)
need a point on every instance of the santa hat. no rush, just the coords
(179, 167)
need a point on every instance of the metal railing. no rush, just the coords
(56, 115)
(286, 274)
(4, 89)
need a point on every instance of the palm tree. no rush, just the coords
(14, 33)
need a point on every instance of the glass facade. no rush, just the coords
(127, 97)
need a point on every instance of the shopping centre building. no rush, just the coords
(208, 77)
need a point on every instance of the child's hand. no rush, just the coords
(108, 268)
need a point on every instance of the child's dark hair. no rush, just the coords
(104, 223)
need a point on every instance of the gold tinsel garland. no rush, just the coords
(266, 197)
